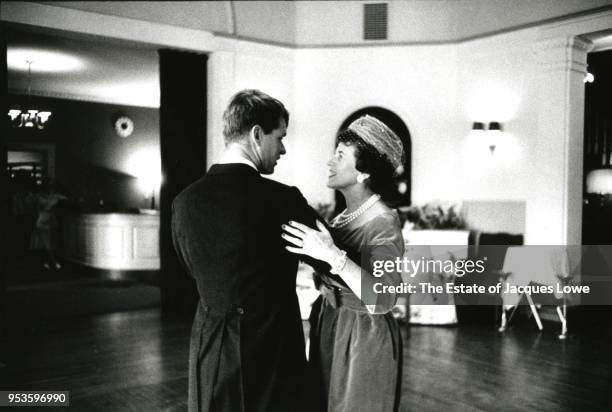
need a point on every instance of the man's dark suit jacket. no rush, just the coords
(247, 345)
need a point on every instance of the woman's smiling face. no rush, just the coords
(342, 170)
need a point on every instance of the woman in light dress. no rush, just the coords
(45, 235)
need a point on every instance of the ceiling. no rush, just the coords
(90, 69)
(101, 70)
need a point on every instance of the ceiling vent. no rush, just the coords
(375, 21)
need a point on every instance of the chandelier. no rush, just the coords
(31, 117)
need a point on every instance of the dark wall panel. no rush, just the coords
(3, 185)
(183, 148)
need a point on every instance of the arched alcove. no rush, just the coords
(402, 197)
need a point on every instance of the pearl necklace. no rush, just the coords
(344, 218)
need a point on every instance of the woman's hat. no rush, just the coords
(384, 140)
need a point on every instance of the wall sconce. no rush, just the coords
(599, 181)
(495, 127)
(478, 127)
(493, 133)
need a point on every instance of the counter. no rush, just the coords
(113, 241)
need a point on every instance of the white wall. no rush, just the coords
(496, 83)
(438, 91)
(495, 216)
(417, 83)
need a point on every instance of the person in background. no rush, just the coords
(46, 233)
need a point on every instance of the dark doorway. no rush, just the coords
(597, 195)
(400, 197)
(597, 207)
(4, 199)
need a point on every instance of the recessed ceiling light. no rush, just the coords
(42, 60)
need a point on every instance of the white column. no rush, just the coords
(554, 208)
(221, 80)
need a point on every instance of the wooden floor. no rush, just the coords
(134, 361)
(130, 361)
(477, 369)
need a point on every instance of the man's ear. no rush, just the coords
(256, 133)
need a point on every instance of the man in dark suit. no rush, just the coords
(247, 345)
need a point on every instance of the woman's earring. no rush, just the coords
(361, 177)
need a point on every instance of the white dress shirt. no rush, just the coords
(231, 157)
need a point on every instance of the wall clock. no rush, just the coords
(124, 126)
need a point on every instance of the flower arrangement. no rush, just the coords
(434, 215)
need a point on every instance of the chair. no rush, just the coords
(484, 308)
(536, 266)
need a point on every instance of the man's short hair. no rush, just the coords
(248, 108)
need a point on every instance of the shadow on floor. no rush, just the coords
(37, 294)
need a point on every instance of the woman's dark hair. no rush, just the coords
(371, 161)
